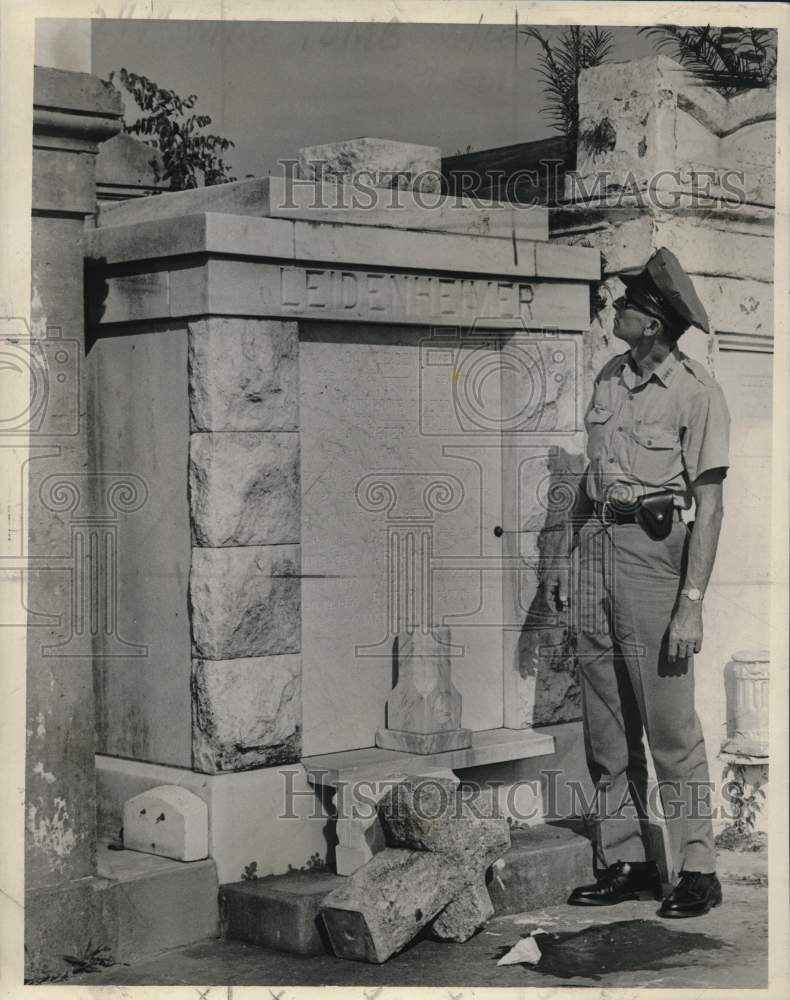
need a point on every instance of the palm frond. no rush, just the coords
(559, 64)
(728, 59)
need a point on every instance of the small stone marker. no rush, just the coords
(424, 708)
(169, 821)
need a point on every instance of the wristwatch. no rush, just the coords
(692, 593)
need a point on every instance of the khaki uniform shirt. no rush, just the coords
(654, 434)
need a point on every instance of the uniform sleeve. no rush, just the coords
(706, 436)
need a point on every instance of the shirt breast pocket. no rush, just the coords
(598, 429)
(655, 454)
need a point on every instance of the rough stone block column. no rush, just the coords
(245, 584)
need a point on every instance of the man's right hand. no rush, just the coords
(555, 586)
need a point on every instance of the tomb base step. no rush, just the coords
(541, 867)
(279, 911)
(135, 907)
(162, 903)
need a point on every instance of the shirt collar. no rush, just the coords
(664, 373)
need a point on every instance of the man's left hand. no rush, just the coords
(685, 630)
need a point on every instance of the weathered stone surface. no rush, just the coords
(244, 488)
(390, 898)
(245, 601)
(128, 168)
(297, 241)
(329, 201)
(431, 814)
(160, 903)
(728, 248)
(385, 903)
(382, 162)
(360, 833)
(465, 915)
(736, 305)
(648, 123)
(138, 906)
(542, 866)
(246, 712)
(243, 374)
(747, 683)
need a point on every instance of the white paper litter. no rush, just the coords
(525, 950)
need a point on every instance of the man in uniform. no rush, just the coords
(657, 430)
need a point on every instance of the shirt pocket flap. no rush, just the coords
(598, 414)
(655, 436)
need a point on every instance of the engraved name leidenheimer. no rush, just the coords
(394, 296)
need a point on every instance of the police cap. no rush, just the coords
(663, 289)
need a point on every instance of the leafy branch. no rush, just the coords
(730, 60)
(191, 157)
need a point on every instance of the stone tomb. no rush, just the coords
(319, 413)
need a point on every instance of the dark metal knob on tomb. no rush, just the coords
(499, 531)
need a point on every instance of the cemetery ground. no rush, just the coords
(622, 946)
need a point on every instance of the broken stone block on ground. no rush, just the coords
(441, 843)
(465, 915)
(431, 814)
(387, 901)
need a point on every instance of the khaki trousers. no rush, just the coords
(627, 590)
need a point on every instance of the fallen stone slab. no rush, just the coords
(465, 915)
(432, 814)
(384, 904)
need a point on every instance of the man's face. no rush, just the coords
(630, 323)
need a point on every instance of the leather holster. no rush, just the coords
(655, 515)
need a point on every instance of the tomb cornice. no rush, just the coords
(330, 243)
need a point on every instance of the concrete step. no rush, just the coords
(543, 864)
(161, 903)
(134, 908)
(279, 911)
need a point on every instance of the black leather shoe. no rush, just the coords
(695, 894)
(618, 883)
